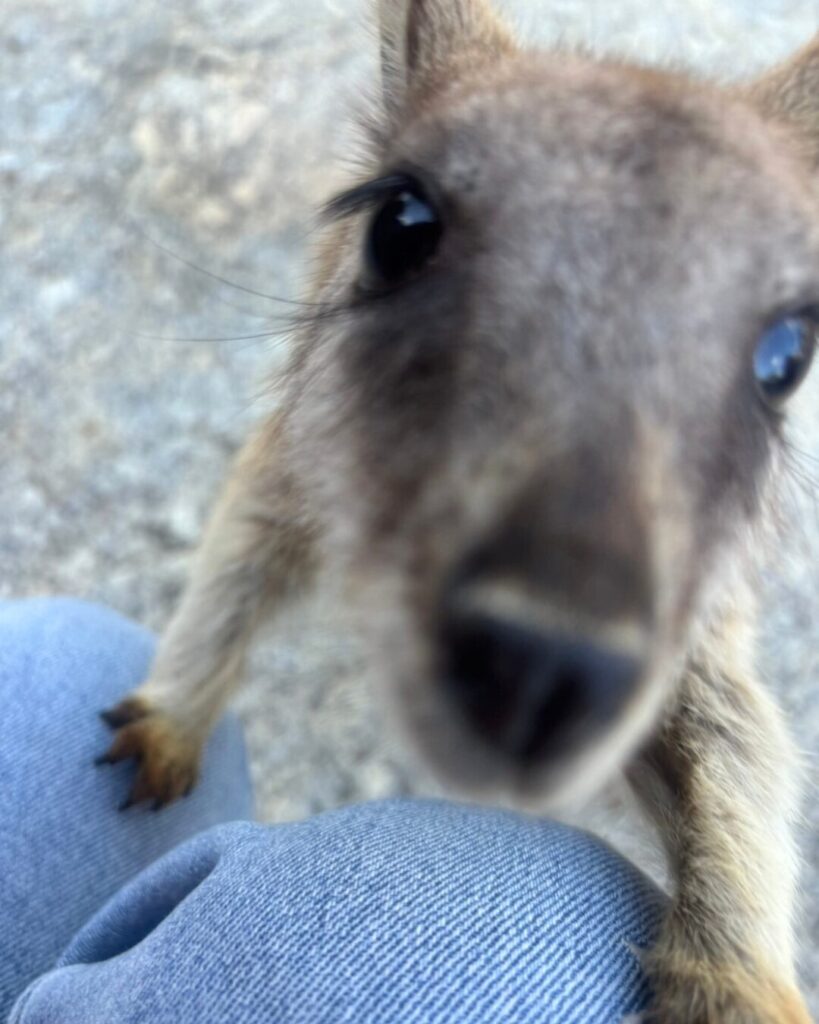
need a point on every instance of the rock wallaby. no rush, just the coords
(537, 407)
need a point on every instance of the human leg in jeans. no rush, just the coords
(405, 911)
(64, 846)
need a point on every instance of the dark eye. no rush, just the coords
(783, 357)
(404, 236)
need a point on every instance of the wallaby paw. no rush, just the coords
(710, 994)
(167, 758)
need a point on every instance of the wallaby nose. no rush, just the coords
(531, 692)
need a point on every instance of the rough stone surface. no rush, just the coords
(214, 128)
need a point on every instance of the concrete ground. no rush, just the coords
(213, 128)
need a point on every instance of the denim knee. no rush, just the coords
(64, 848)
(416, 912)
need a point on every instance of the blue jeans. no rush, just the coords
(404, 912)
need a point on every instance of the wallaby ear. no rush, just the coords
(427, 43)
(790, 94)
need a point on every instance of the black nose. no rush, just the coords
(532, 694)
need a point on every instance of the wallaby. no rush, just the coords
(537, 407)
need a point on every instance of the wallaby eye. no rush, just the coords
(403, 237)
(783, 357)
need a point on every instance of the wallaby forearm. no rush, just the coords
(258, 553)
(723, 785)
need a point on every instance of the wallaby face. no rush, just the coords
(540, 410)
(544, 433)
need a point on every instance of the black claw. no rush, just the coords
(103, 759)
(158, 805)
(128, 711)
(126, 804)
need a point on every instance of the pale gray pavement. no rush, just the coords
(211, 126)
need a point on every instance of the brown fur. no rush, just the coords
(788, 94)
(555, 423)
(721, 993)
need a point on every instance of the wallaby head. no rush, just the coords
(544, 411)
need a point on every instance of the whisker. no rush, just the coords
(241, 309)
(796, 458)
(798, 476)
(290, 324)
(799, 479)
(235, 337)
(801, 453)
(218, 277)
